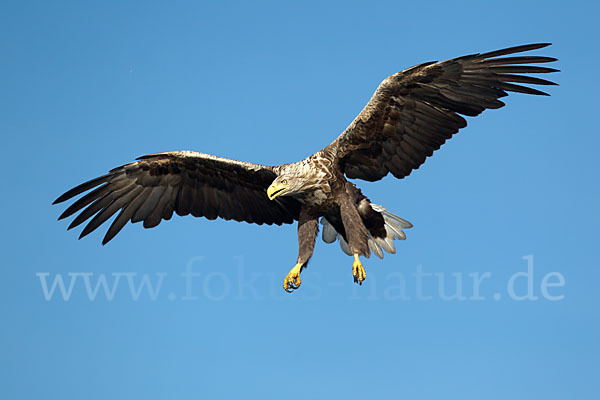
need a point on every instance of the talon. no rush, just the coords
(358, 271)
(292, 280)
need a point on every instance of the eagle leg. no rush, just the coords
(292, 280)
(358, 271)
(308, 227)
(356, 232)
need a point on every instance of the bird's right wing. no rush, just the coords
(413, 112)
(185, 182)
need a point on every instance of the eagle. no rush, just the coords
(410, 115)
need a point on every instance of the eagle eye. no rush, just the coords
(284, 181)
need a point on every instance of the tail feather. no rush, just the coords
(386, 244)
(374, 247)
(329, 232)
(389, 217)
(394, 232)
(344, 245)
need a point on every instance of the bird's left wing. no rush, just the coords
(413, 112)
(185, 182)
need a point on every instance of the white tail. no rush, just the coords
(393, 228)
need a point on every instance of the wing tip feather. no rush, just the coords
(514, 49)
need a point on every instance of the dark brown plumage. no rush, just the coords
(411, 114)
(157, 185)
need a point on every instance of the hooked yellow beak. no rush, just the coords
(275, 190)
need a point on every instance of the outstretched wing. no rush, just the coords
(413, 112)
(184, 182)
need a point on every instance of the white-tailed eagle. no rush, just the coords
(411, 114)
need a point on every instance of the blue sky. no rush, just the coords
(87, 86)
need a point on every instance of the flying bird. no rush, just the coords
(410, 115)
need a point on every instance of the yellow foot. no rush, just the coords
(358, 271)
(292, 280)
